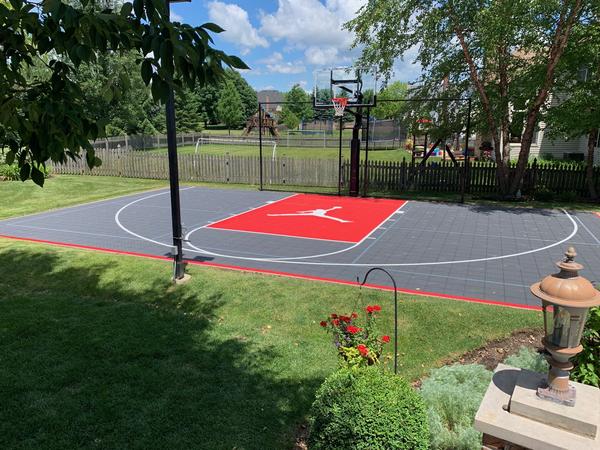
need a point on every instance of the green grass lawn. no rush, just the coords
(101, 351)
(292, 152)
(17, 198)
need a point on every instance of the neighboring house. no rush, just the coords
(267, 96)
(543, 147)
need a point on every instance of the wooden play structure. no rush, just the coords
(268, 124)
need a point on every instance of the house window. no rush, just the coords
(536, 132)
(598, 141)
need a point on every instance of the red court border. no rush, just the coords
(278, 273)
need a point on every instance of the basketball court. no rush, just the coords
(464, 252)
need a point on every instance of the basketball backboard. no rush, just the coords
(358, 84)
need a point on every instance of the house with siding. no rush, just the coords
(543, 146)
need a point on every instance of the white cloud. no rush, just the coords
(287, 67)
(323, 56)
(314, 27)
(406, 69)
(236, 23)
(175, 17)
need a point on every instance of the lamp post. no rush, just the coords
(570, 297)
(178, 264)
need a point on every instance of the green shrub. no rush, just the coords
(527, 358)
(365, 408)
(10, 172)
(567, 196)
(587, 363)
(543, 194)
(453, 395)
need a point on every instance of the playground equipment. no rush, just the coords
(268, 123)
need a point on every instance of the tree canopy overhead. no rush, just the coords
(43, 117)
(501, 52)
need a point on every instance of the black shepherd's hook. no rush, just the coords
(395, 310)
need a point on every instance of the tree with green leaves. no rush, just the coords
(391, 110)
(230, 106)
(208, 97)
(44, 118)
(577, 113)
(188, 111)
(503, 52)
(298, 98)
(245, 91)
(289, 119)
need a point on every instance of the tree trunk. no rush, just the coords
(561, 37)
(589, 170)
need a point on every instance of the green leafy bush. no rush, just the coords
(10, 172)
(365, 408)
(587, 363)
(527, 358)
(453, 395)
(567, 196)
(543, 194)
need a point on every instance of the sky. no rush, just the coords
(284, 41)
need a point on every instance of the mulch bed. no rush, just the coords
(496, 351)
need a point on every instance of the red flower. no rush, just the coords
(323, 323)
(354, 315)
(369, 309)
(345, 319)
(352, 329)
(334, 316)
(363, 349)
(385, 339)
(376, 308)
(335, 322)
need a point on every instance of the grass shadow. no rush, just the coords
(99, 361)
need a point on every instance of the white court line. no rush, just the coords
(588, 230)
(315, 263)
(70, 231)
(477, 280)
(321, 255)
(433, 263)
(127, 230)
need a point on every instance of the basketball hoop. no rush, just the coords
(339, 104)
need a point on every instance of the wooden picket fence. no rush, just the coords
(381, 176)
(209, 168)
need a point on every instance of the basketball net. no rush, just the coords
(339, 104)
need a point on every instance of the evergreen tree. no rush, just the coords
(229, 107)
(188, 111)
(245, 91)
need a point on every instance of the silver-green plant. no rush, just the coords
(453, 395)
(527, 358)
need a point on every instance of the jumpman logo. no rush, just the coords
(322, 213)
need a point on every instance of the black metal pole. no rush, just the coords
(260, 149)
(466, 167)
(366, 169)
(179, 267)
(395, 310)
(355, 154)
(340, 156)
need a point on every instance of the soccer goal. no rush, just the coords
(234, 143)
